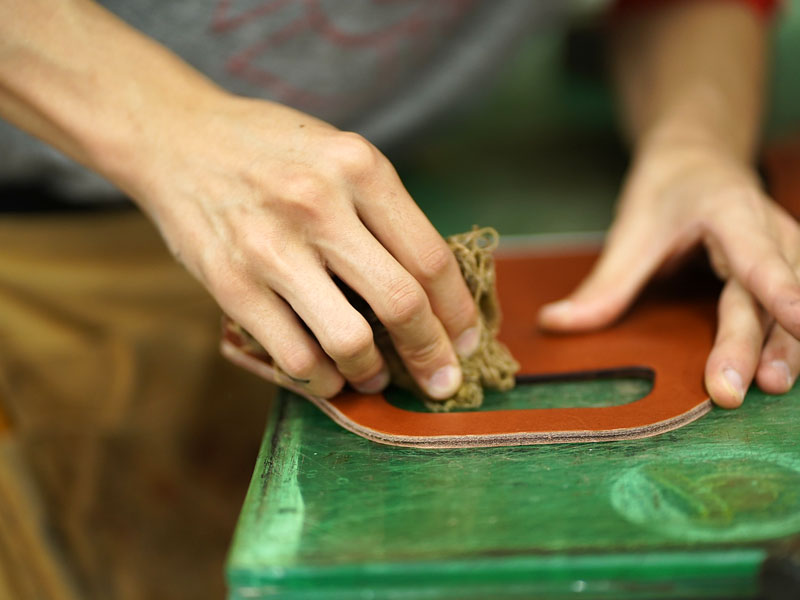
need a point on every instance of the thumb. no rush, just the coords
(633, 250)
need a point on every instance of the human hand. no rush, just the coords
(264, 205)
(676, 197)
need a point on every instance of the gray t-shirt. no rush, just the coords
(380, 67)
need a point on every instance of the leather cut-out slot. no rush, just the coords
(644, 373)
(581, 389)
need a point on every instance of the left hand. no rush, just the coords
(676, 197)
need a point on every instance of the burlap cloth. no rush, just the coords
(490, 366)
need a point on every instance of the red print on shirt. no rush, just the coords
(391, 47)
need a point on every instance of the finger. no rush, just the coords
(276, 327)
(633, 251)
(397, 222)
(780, 362)
(401, 304)
(340, 329)
(755, 258)
(780, 358)
(737, 347)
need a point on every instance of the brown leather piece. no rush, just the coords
(668, 333)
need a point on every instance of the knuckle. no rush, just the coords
(304, 192)
(464, 313)
(757, 278)
(435, 262)
(250, 245)
(353, 154)
(425, 353)
(301, 183)
(406, 301)
(226, 283)
(298, 362)
(257, 249)
(353, 345)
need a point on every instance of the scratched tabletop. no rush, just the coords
(693, 513)
(711, 510)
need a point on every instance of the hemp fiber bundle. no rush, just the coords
(490, 366)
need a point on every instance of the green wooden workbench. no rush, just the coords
(690, 514)
(711, 510)
(694, 513)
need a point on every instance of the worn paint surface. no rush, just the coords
(689, 514)
(329, 512)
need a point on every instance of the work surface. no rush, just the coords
(692, 513)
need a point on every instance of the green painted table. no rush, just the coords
(693, 513)
(689, 514)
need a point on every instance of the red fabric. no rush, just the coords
(764, 7)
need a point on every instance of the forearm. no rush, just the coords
(80, 79)
(692, 71)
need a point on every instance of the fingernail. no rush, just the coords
(734, 383)
(783, 368)
(374, 384)
(468, 342)
(557, 310)
(444, 382)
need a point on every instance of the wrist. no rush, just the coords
(701, 119)
(673, 155)
(135, 147)
(685, 138)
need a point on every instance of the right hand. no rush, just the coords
(264, 204)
